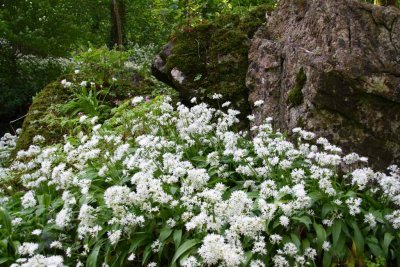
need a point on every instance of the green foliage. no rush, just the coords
(153, 21)
(86, 101)
(101, 65)
(295, 95)
(44, 30)
(43, 27)
(34, 36)
(22, 76)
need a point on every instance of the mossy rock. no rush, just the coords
(213, 57)
(54, 93)
(49, 101)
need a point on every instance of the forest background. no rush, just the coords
(38, 37)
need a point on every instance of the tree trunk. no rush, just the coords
(386, 2)
(117, 23)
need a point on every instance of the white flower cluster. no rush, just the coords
(185, 169)
(7, 144)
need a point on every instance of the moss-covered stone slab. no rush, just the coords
(212, 58)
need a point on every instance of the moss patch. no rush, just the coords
(53, 93)
(295, 95)
(214, 58)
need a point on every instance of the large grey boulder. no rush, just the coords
(332, 67)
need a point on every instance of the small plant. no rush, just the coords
(86, 101)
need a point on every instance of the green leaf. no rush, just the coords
(184, 257)
(387, 239)
(296, 240)
(177, 238)
(197, 77)
(5, 259)
(119, 259)
(137, 240)
(165, 233)
(315, 196)
(185, 247)
(326, 209)
(321, 234)
(92, 259)
(40, 211)
(305, 220)
(336, 231)
(199, 159)
(327, 260)
(374, 246)
(358, 238)
(5, 219)
(146, 253)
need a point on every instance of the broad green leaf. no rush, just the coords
(376, 249)
(296, 240)
(249, 256)
(358, 238)
(165, 233)
(5, 219)
(327, 260)
(184, 257)
(305, 243)
(177, 238)
(336, 231)
(137, 240)
(184, 247)
(321, 234)
(146, 254)
(119, 259)
(92, 259)
(387, 239)
(326, 209)
(40, 211)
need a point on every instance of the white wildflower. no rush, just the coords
(28, 200)
(326, 246)
(258, 103)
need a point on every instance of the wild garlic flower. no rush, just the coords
(258, 103)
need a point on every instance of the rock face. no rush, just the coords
(332, 67)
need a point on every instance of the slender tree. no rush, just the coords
(117, 9)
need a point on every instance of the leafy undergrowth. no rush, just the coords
(164, 185)
(101, 79)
